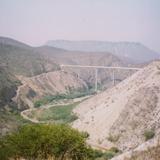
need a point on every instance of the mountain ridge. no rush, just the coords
(134, 51)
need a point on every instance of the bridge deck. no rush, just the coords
(102, 67)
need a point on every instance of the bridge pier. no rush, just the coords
(113, 77)
(96, 79)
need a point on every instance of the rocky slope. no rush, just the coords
(120, 115)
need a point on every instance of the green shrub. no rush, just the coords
(149, 134)
(44, 142)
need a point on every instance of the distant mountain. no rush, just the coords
(136, 52)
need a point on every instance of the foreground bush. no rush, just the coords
(57, 142)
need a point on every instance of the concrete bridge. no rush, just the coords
(100, 67)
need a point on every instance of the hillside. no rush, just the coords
(121, 115)
(8, 86)
(9, 118)
(25, 60)
(47, 84)
(131, 51)
(22, 59)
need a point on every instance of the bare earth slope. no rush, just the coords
(50, 83)
(124, 111)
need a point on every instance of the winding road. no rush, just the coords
(33, 120)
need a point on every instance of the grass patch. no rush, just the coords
(59, 114)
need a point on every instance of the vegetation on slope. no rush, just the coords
(10, 121)
(72, 95)
(59, 114)
(58, 142)
(9, 115)
(8, 86)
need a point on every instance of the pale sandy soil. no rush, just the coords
(99, 113)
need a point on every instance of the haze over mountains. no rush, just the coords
(135, 52)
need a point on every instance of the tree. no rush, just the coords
(59, 142)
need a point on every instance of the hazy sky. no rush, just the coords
(36, 21)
